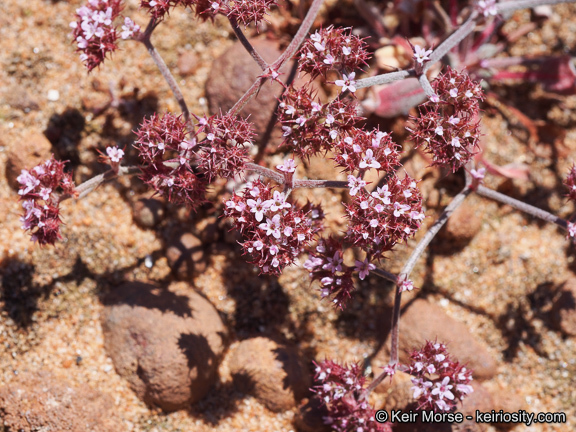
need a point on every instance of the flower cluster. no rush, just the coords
(341, 389)
(275, 231)
(570, 183)
(94, 31)
(487, 7)
(250, 11)
(449, 125)
(389, 215)
(326, 264)
(332, 48)
(225, 150)
(310, 127)
(360, 150)
(166, 151)
(439, 382)
(39, 199)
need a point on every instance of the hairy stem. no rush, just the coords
(166, 74)
(242, 38)
(91, 184)
(300, 35)
(287, 54)
(452, 40)
(386, 78)
(320, 184)
(513, 5)
(522, 206)
(265, 172)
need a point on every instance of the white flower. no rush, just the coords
(288, 166)
(454, 92)
(369, 161)
(455, 142)
(115, 154)
(129, 28)
(355, 184)
(439, 130)
(421, 54)
(347, 83)
(478, 174)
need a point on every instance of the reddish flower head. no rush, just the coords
(439, 382)
(332, 48)
(39, 197)
(275, 231)
(225, 151)
(94, 30)
(449, 127)
(341, 389)
(389, 215)
(166, 151)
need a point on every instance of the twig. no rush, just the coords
(522, 206)
(513, 5)
(242, 38)
(288, 53)
(386, 78)
(320, 184)
(452, 40)
(405, 273)
(91, 184)
(164, 70)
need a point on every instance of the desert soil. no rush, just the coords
(500, 285)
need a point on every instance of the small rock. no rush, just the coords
(148, 212)
(464, 223)
(185, 256)
(188, 63)
(423, 321)
(234, 72)
(37, 401)
(480, 399)
(564, 308)
(25, 153)
(273, 373)
(167, 343)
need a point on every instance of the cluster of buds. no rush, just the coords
(389, 215)
(94, 31)
(225, 150)
(275, 231)
(326, 264)
(448, 125)
(332, 48)
(245, 11)
(166, 150)
(310, 127)
(341, 389)
(439, 382)
(360, 150)
(40, 200)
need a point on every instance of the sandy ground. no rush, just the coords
(500, 285)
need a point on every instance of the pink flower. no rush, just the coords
(347, 83)
(114, 153)
(129, 29)
(363, 268)
(421, 54)
(355, 184)
(288, 166)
